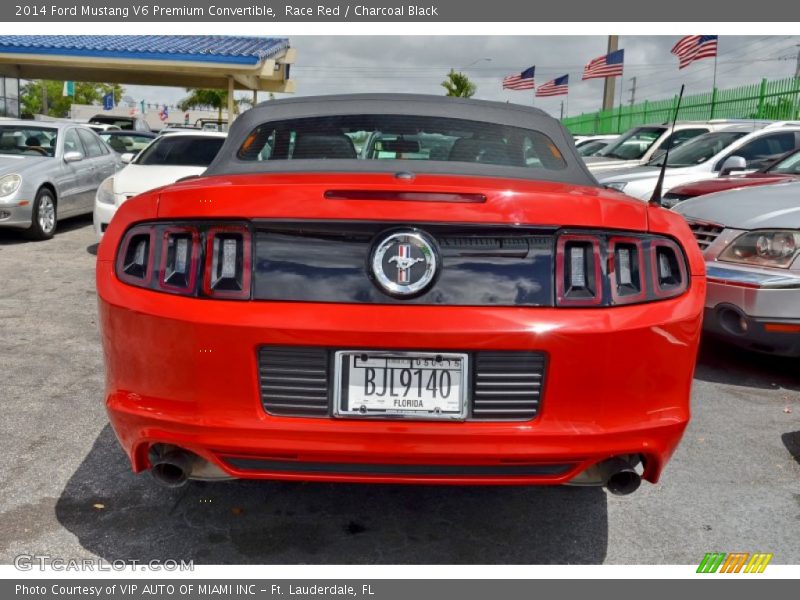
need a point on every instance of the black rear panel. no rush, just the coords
(297, 381)
(328, 262)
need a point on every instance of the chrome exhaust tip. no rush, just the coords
(621, 478)
(173, 469)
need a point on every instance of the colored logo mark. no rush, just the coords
(736, 562)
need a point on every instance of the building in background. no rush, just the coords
(9, 97)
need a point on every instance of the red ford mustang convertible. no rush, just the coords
(397, 288)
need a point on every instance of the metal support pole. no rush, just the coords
(608, 88)
(230, 101)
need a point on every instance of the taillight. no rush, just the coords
(579, 279)
(227, 269)
(606, 269)
(191, 259)
(180, 255)
(135, 258)
(668, 267)
(626, 270)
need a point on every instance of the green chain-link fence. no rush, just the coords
(778, 99)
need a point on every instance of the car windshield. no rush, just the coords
(633, 144)
(120, 122)
(181, 151)
(788, 166)
(29, 141)
(401, 137)
(698, 150)
(129, 142)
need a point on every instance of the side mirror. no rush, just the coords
(731, 164)
(73, 156)
(128, 157)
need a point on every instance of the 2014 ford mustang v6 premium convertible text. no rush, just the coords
(397, 288)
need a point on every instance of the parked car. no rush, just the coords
(101, 127)
(785, 169)
(593, 145)
(734, 149)
(211, 124)
(49, 171)
(126, 142)
(299, 312)
(132, 123)
(639, 145)
(586, 139)
(166, 159)
(750, 238)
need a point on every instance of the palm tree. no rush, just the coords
(208, 97)
(458, 85)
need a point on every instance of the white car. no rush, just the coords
(640, 145)
(165, 160)
(591, 145)
(736, 149)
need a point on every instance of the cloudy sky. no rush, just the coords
(344, 64)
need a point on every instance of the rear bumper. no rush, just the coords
(183, 371)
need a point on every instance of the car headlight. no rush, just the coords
(617, 185)
(768, 248)
(9, 184)
(105, 193)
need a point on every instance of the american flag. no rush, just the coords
(694, 47)
(609, 65)
(557, 87)
(520, 81)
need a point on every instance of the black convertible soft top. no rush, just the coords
(230, 161)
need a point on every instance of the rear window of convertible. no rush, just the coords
(405, 137)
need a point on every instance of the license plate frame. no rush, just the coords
(342, 369)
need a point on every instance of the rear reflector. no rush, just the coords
(782, 327)
(403, 196)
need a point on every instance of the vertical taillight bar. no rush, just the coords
(626, 270)
(579, 280)
(227, 262)
(180, 256)
(668, 268)
(136, 256)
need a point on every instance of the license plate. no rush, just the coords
(420, 385)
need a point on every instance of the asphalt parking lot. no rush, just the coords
(67, 489)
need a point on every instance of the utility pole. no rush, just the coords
(632, 90)
(797, 68)
(608, 87)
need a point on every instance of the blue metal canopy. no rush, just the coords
(238, 50)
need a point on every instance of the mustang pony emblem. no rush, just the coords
(394, 258)
(404, 262)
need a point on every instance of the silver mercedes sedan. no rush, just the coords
(49, 171)
(751, 241)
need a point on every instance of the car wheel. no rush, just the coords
(44, 221)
